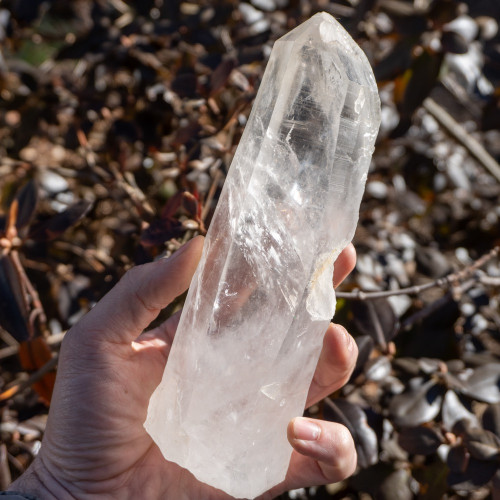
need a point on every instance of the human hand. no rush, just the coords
(95, 445)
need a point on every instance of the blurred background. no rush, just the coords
(118, 123)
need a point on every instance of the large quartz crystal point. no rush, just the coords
(252, 327)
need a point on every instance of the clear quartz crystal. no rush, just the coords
(252, 327)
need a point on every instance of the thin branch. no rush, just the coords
(11, 229)
(363, 295)
(379, 332)
(8, 338)
(16, 463)
(211, 194)
(89, 255)
(434, 306)
(490, 280)
(446, 282)
(89, 153)
(36, 303)
(475, 148)
(128, 185)
(34, 377)
(8, 352)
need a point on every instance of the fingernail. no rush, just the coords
(305, 429)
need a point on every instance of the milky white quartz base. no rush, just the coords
(261, 299)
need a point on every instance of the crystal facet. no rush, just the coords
(252, 327)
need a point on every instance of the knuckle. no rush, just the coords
(134, 282)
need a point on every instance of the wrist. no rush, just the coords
(39, 483)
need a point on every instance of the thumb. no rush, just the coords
(141, 294)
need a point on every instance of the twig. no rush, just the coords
(459, 93)
(88, 254)
(10, 351)
(447, 281)
(210, 194)
(379, 332)
(36, 303)
(362, 295)
(8, 338)
(138, 198)
(475, 148)
(490, 280)
(89, 153)
(34, 377)
(16, 463)
(7, 352)
(433, 306)
(120, 6)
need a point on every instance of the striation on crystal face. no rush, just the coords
(252, 327)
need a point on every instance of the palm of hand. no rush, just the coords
(95, 444)
(105, 441)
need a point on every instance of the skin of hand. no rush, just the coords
(95, 445)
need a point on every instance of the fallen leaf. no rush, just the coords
(13, 308)
(354, 418)
(418, 405)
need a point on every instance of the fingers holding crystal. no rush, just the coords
(339, 352)
(344, 264)
(325, 452)
(335, 365)
(165, 332)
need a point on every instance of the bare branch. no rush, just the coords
(34, 377)
(12, 350)
(36, 303)
(446, 282)
(378, 327)
(456, 130)
(211, 194)
(434, 306)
